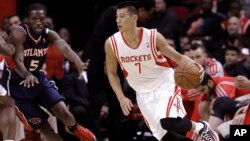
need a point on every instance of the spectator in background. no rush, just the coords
(231, 38)
(245, 6)
(50, 23)
(211, 65)
(5, 24)
(164, 20)
(14, 20)
(246, 63)
(232, 65)
(206, 23)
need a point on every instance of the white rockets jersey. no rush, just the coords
(145, 68)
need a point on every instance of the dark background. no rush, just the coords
(79, 16)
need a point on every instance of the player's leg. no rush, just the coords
(8, 122)
(61, 111)
(8, 116)
(35, 118)
(172, 116)
(222, 106)
(54, 102)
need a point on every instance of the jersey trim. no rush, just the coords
(33, 39)
(116, 53)
(157, 56)
(139, 42)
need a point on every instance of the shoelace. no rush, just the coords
(206, 136)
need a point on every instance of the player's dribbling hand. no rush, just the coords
(81, 67)
(30, 80)
(126, 105)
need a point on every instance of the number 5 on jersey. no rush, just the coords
(33, 65)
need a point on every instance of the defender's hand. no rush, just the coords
(81, 67)
(30, 80)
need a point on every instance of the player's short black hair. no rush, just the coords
(205, 79)
(36, 6)
(130, 5)
(126, 4)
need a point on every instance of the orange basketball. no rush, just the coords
(187, 76)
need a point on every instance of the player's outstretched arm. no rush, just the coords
(6, 49)
(112, 65)
(67, 51)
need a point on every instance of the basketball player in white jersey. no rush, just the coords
(139, 52)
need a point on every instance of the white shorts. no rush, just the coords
(165, 101)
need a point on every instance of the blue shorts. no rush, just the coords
(29, 100)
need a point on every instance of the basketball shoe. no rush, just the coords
(207, 134)
(82, 133)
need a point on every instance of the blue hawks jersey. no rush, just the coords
(35, 51)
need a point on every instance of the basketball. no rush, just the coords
(187, 76)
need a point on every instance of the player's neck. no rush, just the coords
(132, 36)
(33, 34)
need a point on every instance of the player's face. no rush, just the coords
(37, 20)
(124, 19)
(198, 56)
(206, 90)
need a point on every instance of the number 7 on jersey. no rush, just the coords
(139, 66)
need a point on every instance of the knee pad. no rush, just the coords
(224, 106)
(179, 125)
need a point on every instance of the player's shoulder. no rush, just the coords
(17, 33)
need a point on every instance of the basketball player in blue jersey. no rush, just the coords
(30, 88)
(7, 104)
